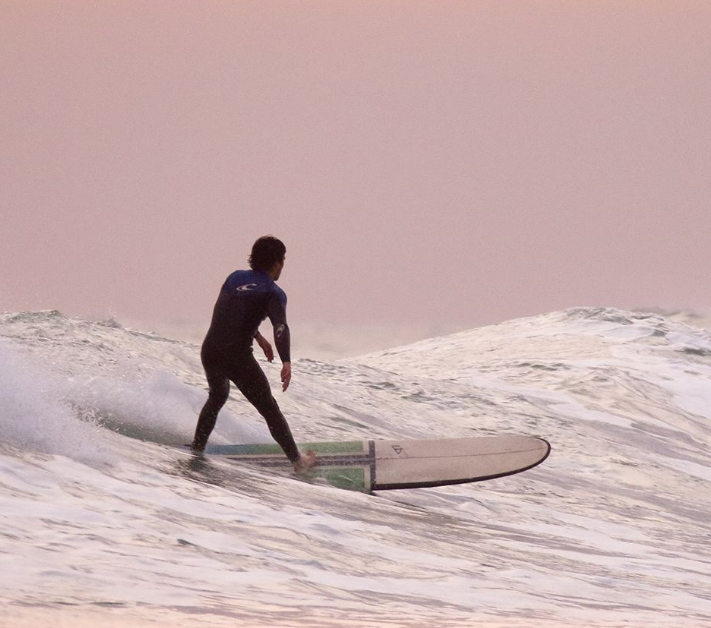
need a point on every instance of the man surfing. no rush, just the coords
(248, 297)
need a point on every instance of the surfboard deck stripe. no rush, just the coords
(272, 449)
(349, 465)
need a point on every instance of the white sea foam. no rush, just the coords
(103, 521)
(33, 416)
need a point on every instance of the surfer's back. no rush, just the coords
(243, 303)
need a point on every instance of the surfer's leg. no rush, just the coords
(219, 391)
(254, 385)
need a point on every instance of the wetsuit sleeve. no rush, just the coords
(282, 338)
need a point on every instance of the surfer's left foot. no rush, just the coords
(304, 463)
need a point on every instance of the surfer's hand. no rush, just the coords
(285, 375)
(266, 347)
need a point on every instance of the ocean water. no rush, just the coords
(105, 521)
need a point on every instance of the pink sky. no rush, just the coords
(466, 161)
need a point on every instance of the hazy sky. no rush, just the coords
(467, 161)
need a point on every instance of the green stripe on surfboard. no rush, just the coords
(272, 449)
(335, 467)
(349, 478)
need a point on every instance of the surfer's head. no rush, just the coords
(268, 255)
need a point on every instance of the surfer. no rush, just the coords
(247, 298)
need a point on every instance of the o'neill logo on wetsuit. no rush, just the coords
(246, 287)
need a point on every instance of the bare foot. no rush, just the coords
(304, 463)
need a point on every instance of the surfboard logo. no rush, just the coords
(397, 449)
(247, 287)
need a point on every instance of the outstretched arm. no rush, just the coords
(282, 337)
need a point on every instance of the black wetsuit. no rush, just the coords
(247, 297)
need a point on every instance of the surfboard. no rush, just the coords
(379, 465)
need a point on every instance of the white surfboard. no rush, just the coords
(399, 464)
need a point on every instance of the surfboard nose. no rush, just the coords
(426, 463)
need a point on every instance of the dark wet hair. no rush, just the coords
(266, 251)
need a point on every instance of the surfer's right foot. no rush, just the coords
(304, 463)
